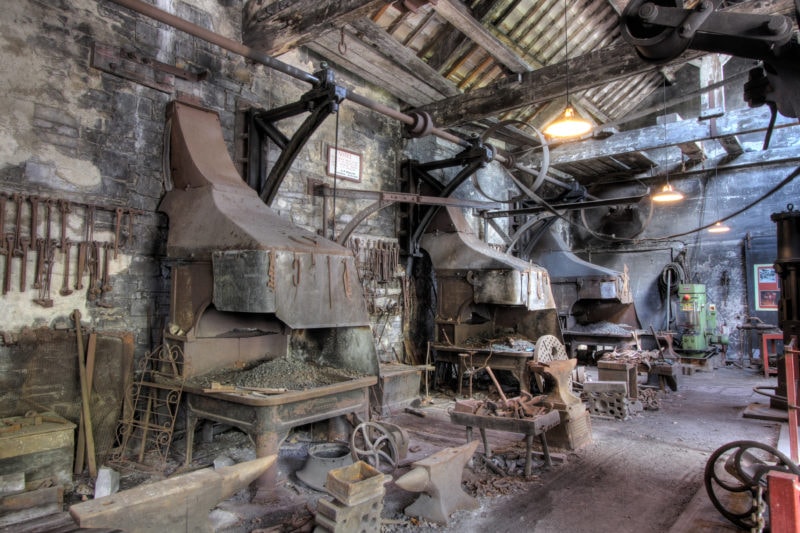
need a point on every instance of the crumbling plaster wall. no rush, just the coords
(72, 132)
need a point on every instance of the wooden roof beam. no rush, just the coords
(736, 122)
(285, 24)
(456, 14)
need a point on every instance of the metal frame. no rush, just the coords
(262, 125)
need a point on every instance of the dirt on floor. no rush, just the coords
(636, 475)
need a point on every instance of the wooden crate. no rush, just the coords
(41, 446)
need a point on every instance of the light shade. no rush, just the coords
(569, 124)
(719, 227)
(667, 195)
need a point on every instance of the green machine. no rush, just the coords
(696, 320)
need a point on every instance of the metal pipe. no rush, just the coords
(269, 61)
(217, 39)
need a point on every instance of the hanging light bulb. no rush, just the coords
(667, 195)
(719, 227)
(569, 123)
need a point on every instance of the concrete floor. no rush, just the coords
(644, 474)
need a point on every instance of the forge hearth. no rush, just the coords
(253, 292)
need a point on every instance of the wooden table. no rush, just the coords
(530, 427)
(461, 356)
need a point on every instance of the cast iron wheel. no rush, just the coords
(740, 468)
(375, 445)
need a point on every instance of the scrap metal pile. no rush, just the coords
(633, 356)
(523, 406)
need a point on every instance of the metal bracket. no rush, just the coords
(320, 102)
(140, 69)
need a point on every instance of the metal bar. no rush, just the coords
(402, 197)
(578, 205)
(791, 396)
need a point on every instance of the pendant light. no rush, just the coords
(569, 123)
(719, 227)
(667, 194)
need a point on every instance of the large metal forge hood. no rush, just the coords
(496, 277)
(261, 263)
(585, 292)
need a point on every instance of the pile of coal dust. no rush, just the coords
(290, 373)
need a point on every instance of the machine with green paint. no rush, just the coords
(696, 321)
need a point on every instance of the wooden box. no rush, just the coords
(41, 446)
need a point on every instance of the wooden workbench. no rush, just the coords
(471, 357)
(530, 427)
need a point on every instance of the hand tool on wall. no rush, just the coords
(3, 201)
(65, 290)
(49, 252)
(81, 267)
(105, 285)
(18, 199)
(65, 208)
(40, 259)
(94, 271)
(46, 254)
(117, 223)
(9, 256)
(129, 241)
(23, 276)
(34, 200)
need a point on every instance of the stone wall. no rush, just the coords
(92, 136)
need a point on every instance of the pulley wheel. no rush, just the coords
(736, 481)
(375, 445)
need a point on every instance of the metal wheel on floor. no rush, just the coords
(736, 481)
(374, 444)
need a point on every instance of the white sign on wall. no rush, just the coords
(348, 164)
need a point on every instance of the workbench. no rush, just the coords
(530, 427)
(471, 357)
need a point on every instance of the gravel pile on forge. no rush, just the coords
(284, 372)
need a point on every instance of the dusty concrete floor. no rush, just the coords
(644, 474)
(641, 474)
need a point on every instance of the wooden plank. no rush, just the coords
(367, 63)
(33, 498)
(375, 36)
(12, 483)
(736, 122)
(24, 515)
(181, 503)
(277, 27)
(457, 14)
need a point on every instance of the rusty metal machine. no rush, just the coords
(249, 286)
(595, 304)
(485, 294)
